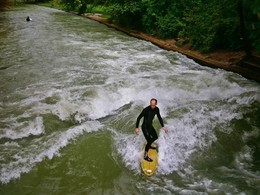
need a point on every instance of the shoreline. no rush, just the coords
(227, 60)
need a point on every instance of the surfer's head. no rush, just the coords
(153, 103)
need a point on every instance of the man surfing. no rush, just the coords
(147, 127)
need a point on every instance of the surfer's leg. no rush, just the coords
(153, 136)
(148, 138)
(149, 142)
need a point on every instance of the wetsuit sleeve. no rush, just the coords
(139, 118)
(159, 117)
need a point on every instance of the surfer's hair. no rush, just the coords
(153, 99)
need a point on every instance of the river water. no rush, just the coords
(71, 90)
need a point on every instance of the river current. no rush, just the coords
(71, 90)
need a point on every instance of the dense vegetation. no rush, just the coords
(206, 24)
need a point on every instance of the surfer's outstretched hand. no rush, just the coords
(137, 131)
(165, 129)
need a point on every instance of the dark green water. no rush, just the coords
(70, 92)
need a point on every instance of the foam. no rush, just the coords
(20, 130)
(182, 140)
(191, 131)
(26, 159)
(174, 148)
(129, 147)
(89, 87)
(209, 100)
(244, 158)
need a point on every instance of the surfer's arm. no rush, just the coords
(159, 117)
(138, 119)
(161, 121)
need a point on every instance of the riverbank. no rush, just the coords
(224, 59)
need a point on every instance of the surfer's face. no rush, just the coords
(153, 104)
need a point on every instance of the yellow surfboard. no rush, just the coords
(149, 168)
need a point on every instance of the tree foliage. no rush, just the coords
(126, 13)
(207, 24)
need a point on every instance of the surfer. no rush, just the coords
(28, 19)
(147, 127)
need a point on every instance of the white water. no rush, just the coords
(85, 80)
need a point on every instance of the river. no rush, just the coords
(71, 90)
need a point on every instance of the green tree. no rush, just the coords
(207, 24)
(127, 13)
(251, 14)
(163, 18)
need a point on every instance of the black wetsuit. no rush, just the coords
(147, 127)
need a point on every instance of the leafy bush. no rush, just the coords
(208, 24)
(128, 14)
